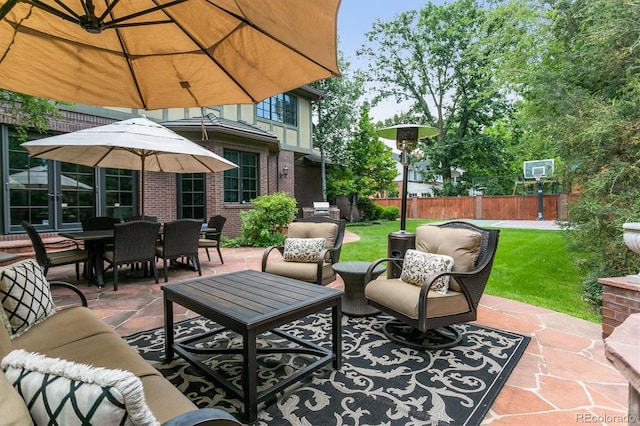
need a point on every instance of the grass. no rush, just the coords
(531, 266)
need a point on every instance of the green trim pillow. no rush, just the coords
(418, 268)
(25, 295)
(66, 393)
(304, 250)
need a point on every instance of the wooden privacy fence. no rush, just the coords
(525, 207)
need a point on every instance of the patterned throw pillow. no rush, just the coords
(305, 250)
(418, 268)
(66, 393)
(25, 295)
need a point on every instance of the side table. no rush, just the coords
(353, 301)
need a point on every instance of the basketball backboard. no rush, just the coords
(541, 168)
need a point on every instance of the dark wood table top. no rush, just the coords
(88, 235)
(250, 298)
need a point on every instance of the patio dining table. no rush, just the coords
(94, 243)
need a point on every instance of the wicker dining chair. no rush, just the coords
(180, 239)
(133, 242)
(71, 254)
(212, 235)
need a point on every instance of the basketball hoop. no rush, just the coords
(537, 176)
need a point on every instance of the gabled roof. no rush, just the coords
(216, 125)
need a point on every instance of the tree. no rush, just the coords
(336, 113)
(581, 97)
(26, 112)
(366, 167)
(435, 60)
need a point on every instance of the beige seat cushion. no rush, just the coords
(12, 406)
(63, 327)
(328, 231)
(404, 297)
(299, 271)
(158, 392)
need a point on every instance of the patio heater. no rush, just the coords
(406, 137)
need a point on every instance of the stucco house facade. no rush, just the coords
(268, 141)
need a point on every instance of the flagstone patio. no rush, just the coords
(563, 378)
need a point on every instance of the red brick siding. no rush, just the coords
(619, 300)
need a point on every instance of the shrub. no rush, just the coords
(367, 209)
(390, 213)
(262, 226)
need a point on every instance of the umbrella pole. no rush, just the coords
(142, 189)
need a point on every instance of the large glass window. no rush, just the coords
(119, 193)
(191, 195)
(282, 108)
(241, 184)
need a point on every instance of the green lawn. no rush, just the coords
(531, 266)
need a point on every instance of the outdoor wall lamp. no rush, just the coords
(285, 171)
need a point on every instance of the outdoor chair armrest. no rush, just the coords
(203, 417)
(267, 252)
(72, 287)
(395, 260)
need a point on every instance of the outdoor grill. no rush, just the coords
(321, 208)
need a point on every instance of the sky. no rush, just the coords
(355, 18)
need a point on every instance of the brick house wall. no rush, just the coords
(620, 299)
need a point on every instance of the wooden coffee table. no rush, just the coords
(250, 303)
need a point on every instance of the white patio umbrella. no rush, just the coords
(134, 144)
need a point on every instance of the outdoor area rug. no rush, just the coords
(380, 382)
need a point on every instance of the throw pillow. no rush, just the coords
(25, 295)
(66, 393)
(418, 268)
(305, 250)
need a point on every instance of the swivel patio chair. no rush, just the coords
(180, 239)
(317, 268)
(133, 242)
(212, 235)
(424, 310)
(70, 253)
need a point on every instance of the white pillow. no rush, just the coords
(418, 268)
(25, 295)
(76, 393)
(305, 250)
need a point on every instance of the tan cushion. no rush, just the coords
(158, 391)
(5, 339)
(404, 297)
(13, 409)
(299, 271)
(326, 230)
(461, 244)
(65, 326)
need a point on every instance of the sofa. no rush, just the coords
(71, 348)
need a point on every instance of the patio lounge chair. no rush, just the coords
(424, 316)
(319, 270)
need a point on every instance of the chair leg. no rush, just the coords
(154, 271)
(219, 254)
(115, 277)
(78, 271)
(196, 264)
(207, 250)
(166, 270)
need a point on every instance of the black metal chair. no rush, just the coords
(180, 239)
(69, 254)
(319, 272)
(424, 318)
(133, 242)
(212, 235)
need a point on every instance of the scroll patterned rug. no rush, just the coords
(380, 382)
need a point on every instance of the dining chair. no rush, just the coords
(143, 217)
(69, 254)
(133, 242)
(180, 239)
(99, 223)
(212, 235)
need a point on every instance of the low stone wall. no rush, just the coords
(620, 299)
